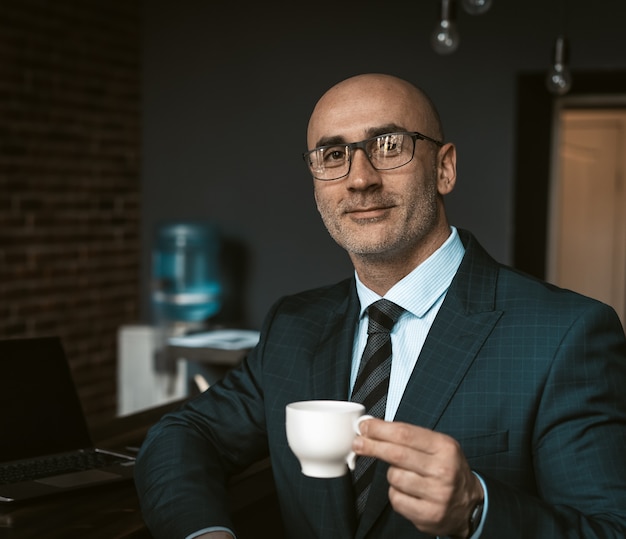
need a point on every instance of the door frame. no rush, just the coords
(535, 117)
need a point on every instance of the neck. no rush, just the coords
(381, 271)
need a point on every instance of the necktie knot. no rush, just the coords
(383, 314)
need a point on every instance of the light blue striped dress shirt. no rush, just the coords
(420, 294)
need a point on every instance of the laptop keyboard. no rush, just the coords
(55, 465)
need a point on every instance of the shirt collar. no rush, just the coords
(420, 289)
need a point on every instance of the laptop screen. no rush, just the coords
(40, 412)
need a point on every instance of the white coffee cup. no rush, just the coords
(320, 433)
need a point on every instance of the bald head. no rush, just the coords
(360, 106)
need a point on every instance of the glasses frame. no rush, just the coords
(362, 144)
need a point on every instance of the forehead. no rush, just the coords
(356, 110)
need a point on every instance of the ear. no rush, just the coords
(446, 168)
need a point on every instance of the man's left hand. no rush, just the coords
(430, 480)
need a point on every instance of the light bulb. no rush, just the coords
(476, 7)
(559, 78)
(445, 37)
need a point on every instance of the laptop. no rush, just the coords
(43, 429)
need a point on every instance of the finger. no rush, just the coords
(439, 509)
(417, 450)
(402, 456)
(421, 484)
(401, 433)
(428, 516)
(420, 510)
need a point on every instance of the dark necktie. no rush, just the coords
(372, 383)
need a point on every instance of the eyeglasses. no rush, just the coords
(385, 152)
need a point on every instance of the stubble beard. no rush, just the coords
(381, 239)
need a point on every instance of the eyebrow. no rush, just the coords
(370, 133)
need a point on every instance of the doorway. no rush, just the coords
(587, 206)
(537, 200)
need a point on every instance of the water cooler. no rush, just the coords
(186, 286)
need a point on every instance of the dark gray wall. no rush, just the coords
(227, 91)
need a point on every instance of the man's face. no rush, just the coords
(375, 214)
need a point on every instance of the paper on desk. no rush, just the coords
(221, 339)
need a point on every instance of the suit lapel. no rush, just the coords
(464, 321)
(333, 357)
(448, 352)
(331, 380)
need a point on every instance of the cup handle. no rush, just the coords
(351, 459)
(357, 423)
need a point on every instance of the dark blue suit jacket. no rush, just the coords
(529, 378)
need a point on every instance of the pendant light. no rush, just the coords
(476, 7)
(445, 37)
(559, 79)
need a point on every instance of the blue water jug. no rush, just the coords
(186, 280)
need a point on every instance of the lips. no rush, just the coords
(369, 212)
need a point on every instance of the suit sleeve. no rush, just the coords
(578, 442)
(185, 463)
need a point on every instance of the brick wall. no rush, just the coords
(69, 181)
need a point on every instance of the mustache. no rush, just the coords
(366, 201)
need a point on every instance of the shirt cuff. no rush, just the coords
(479, 530)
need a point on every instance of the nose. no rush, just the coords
(362, 174)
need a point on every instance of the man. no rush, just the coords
(505, 412)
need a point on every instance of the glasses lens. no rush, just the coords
(385, 152)
(391, 151)
(329, 162)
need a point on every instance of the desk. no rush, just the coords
(112, 512)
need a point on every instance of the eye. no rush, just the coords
(334, 156)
